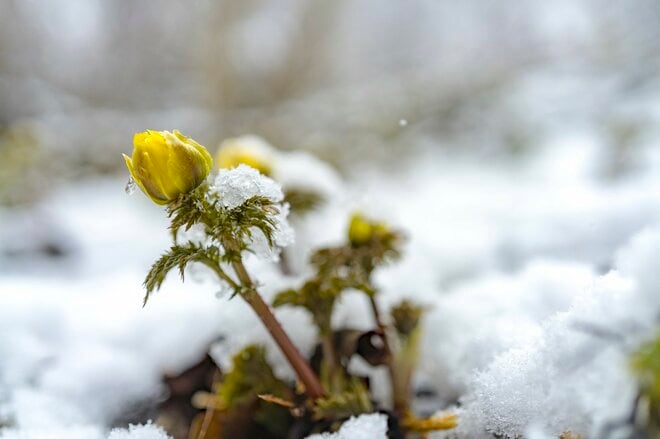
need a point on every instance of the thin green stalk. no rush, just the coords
(399, 390)
(221, 273)
(330, 359)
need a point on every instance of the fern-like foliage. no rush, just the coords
(357, 262)
(318, 296)
(351, 402)
(229, 233)
(256, 213)
(188, 209)
(302, 200)
(251, 375)
(338, 269)
(239, 412)
(178, 256)
(230, 226)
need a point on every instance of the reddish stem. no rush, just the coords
(296, 360)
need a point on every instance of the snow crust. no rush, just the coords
(147, 431)
(540, 280)
(538, 338)
(528, 188)
(237, 185)
(371, 426)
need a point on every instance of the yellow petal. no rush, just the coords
(360, 230)
(165, 164)
(247, 150)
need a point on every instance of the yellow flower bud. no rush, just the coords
(247, 150)
(380, 228)
(360, 230)
(165, 165)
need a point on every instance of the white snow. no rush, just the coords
(147, 431)
(237, 185)
(520, 290)
(301, 170)
(559, 371)
(58, 432)
(291, 169)
(522, 163)
(540, 278)
(372, 426)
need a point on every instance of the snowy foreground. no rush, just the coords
(540, 280)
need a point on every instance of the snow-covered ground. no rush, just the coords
(516, 146)
(540, 279)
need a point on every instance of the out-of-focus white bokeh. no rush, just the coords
(517, 145)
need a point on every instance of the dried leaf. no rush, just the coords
(276, 400)
(439, 421)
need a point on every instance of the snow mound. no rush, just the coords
(283, 236)
(237, 185)
(73, 432)
(371, 426)
(148, 431)
(299, 169)
(572, 372)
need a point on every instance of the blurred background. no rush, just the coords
(362, 85)
(351, 81)
(494, 133)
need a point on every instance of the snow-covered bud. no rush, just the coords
(246, 150)
(166, 164)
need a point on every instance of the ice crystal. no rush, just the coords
(572, 373)
(147, 431)
(236, 186)
(283, 236)
(130, 186)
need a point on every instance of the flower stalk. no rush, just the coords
(304, 372)
(300, 366)
(232, 212)
(328, 349)
(399, 390)
(171, 169)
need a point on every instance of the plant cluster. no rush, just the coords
(233, 208)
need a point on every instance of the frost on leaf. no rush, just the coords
(282, 236)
